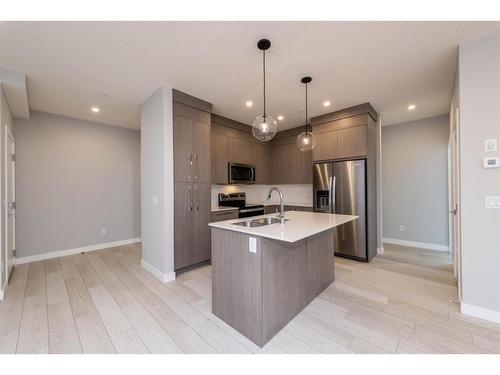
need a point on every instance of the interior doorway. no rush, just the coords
(454, 198)
(10, 202)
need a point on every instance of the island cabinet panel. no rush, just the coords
(320, 274)
(237, 282)
(284, 278)
(259, 292)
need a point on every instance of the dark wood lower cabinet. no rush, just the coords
(191, 218)
(258, 293)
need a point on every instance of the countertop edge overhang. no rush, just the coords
(300, 225)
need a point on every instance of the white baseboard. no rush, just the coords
(480, 312)
(77, 250)
(421, 245)
(380, 250)
(1, 294)
(163, 277)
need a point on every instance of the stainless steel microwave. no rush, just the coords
(241, 173)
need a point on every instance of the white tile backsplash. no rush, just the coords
(293, 194)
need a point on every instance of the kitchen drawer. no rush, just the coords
(224, 215)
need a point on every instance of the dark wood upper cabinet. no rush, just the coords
(352, 142)
(192, 140)
(327, 147)
(220, 158)
(263, 163)
(201, 147)
(241, 151)
(183, 149)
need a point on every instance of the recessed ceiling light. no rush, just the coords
(280, 118)
(326, 103)
(95, 109)
(249, 103)
(411, 107)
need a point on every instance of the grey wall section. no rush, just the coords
(415, 180)
(74, 177)
(157, 184)
(5, 120)
(479, 93)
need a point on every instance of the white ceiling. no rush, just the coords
(71, 66)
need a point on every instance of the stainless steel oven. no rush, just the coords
(241, 173)
(239, 200)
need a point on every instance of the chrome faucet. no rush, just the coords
(282, 203)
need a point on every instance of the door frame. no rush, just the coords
(8, 134)
(454, 200)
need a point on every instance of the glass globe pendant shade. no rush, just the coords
(264, 128)
(306, 141)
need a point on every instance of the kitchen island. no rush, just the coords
(265, 274)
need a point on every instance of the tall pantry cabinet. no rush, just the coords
(192, 180)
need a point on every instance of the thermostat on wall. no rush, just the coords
(491, 162)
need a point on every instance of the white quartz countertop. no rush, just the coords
(222, 208)
(299, 226)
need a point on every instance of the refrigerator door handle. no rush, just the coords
(332, 182)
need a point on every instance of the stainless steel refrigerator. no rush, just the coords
(340, 188)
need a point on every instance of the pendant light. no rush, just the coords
(264, 127)
(306, 140)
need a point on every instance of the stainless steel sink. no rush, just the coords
(259, 222)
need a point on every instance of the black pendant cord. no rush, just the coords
(306, 109)
(264, 73)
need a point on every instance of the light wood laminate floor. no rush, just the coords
(104, 302)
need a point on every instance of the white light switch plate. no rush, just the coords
(252, 245)
(492, 201)
(490, 145)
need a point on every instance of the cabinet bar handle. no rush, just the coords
(190, 198)
(190, 163)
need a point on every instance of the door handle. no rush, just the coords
(196, 197)
(196, 168)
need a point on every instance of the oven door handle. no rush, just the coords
(246, 210)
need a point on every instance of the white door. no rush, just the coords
(10, 199)
(454, 195)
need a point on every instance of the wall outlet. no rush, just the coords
(252, 245)
(155, 200)
(401, 228)
(104, 231)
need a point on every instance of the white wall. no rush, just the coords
(415, 181)
(157, 184)
(293, 194)
(5, 120)
(73, 178)
(479, 93)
